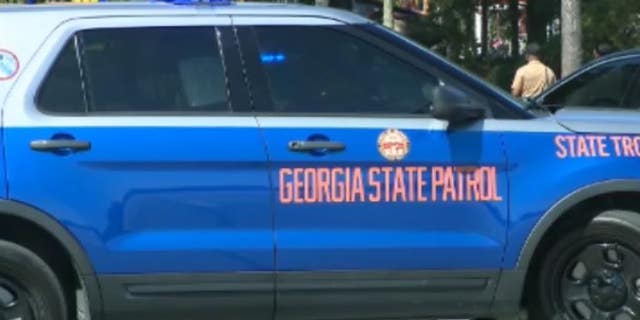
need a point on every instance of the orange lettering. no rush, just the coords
(322, 184)
(473, 192)
(460, 181)
(373, 182)
(309, 185)
(602, 147)
(286, 190)
(297, 184)
(572, 147)
(616, 144)
(398, 186)
(387, 183)
(592, 145)
(493, 185)
(437, 179)
(636, 145)
(449, 185)
(583, 151)
(411, 171)
(562, 151)
(483, 175)
(421, 184)
(347, 185)
(627, 146)
(337, 187)
(358, 186)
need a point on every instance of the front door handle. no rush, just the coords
(59, 145)
(311, 146)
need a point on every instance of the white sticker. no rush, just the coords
(9, 64)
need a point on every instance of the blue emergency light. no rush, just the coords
(272, 58)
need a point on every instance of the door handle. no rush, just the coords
(310, 146)
(59, 145)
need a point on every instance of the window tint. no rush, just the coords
(634, 97)
(608, 85)
(315, 69)
(145, 70)
(62, 89)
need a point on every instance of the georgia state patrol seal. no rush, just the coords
(393, 144)
(9, 64)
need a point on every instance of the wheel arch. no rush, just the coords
(67, 241)
(563, 206)
(511, 287)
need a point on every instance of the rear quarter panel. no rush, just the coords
(15, 27)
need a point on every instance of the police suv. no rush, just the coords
(261, 161)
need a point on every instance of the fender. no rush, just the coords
(78, 256)
(511, 286)
(561, 207)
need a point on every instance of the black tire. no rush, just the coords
(590, 271)
(27, 280)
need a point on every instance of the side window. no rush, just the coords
(323, 70)
(62, 89)
(607, 85)
(159, 69)
(634, 97)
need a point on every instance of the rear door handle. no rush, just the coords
(59, 145)
(310, 146)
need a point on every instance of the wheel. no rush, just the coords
(29, 290)
(591, 273)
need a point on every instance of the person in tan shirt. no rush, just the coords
(534, 77)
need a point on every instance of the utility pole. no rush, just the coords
(387, 13)
(484, 26)
(571, 36)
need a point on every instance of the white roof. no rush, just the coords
(24, 28)
(158, 8)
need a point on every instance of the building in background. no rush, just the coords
(497, 26)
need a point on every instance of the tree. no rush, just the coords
(540, 15)
(514, 15)
(571, 36)
(616, 22)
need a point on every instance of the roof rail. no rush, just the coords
(72, 1)
(202, 2)
(176, 2)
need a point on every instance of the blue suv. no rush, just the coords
(261, 161)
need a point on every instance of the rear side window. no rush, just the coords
(324, 70)
(139, 70)
(62, 91)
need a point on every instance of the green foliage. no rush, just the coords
(540, 14)
(455, 21)
(615, 21)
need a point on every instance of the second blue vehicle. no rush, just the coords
(259, 161)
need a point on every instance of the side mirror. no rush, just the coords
(455, 106)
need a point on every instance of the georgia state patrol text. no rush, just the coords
(388, 184)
